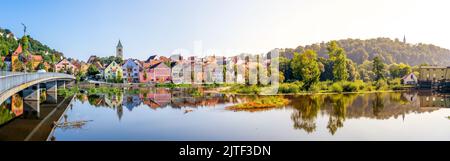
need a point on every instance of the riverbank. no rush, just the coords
(294, 88)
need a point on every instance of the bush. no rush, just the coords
(381, 85)
(300, 84)
(336, 87)
(288, 88)
(315, 87)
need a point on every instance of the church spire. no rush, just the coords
(119, 45)
(404, 39)
(119, 50)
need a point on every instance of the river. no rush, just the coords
(162, 114)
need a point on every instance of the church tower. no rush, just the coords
(404, 39)
(119, 50)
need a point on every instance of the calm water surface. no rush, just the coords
(172, 115)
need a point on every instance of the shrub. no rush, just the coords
(300, 84)
(381, 85)
(288, 88)
(316, 87)
(336, 87)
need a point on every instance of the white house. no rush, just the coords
(410, 79)
(131, 69)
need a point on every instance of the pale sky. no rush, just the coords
(80, 28)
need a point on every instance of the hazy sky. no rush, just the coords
(80, 28)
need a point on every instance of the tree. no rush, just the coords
(92, 70)
(337, 55)
(25, 43)
(2, 65)
(29, 66)
(399, 70)
(285, 67)
(351, 70)
(119, 77)
(41, 66)
(326, 69)
(306, 68)
(340, 66)
(4, 50)
(378, 68)
(145, 75)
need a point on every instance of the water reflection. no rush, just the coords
(11, 108)
(22, 119)
(305, 110)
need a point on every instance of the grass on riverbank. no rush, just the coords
(261, 103)
(322, 87)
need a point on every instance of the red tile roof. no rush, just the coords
(18, 50)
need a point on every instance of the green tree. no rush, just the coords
(41, 66)
(306, 68)
(25, 43)
(352, 71)
(4, 50)
(340, 66)
(92, 70)
(378, 68)
(29, 66)
(399, 70)
(285, 67)
(18, 66)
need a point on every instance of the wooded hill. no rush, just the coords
(9, 43)
(390, 51)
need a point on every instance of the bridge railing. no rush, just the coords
(10, 80)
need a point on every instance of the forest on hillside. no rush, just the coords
(8, 45)
(390, 51)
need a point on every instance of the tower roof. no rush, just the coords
(119, 45)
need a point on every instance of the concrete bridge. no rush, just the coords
(30, 84)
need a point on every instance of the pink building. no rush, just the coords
(157, 73)
(64, 65)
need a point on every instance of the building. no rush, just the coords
(119, 50)
(160, 73)
(19, 56)
(410, 79)
(101, 70)
(432, 74)
(113, 72)
(92, 59)
(64, 66)
(131, 69)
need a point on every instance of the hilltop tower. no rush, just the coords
(119, 50)
(404, 39)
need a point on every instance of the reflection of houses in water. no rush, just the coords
(211, 99)
(432, 100)
(158, 98)
(114, 100)
(11, 108)
(17, 105)
(131, 101)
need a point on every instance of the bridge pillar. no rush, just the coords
(32, 93)
(52, 91)
(32, 97)
(35, 106)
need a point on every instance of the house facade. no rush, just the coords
(158, 73)
(131, 69)
(409, 79)
(113, 71)
(18, 56)
(65, 66)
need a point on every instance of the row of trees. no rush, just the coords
(309, 68)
